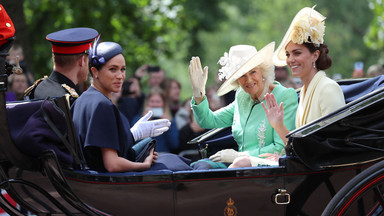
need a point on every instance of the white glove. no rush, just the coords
(144, 128)
(227, 155)
(198, 77)
(256, 161)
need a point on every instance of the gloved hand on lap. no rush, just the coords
(144, 128)
(227, 155)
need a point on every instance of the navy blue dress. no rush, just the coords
(99, 124)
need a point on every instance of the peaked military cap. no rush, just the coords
(72, 41)
(7, 30)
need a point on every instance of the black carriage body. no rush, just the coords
(298, 186)
(244, 191)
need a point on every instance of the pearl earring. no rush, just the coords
(314, 65)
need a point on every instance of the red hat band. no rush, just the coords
(71, 49)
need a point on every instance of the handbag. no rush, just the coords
(143, 148)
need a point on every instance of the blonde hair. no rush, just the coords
(268, 73)
(157, 91)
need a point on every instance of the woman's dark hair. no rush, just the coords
(324, 61)
(126, 88)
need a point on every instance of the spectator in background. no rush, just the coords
(358, 70)
(154, 74)
(156, 102)
(227, 98)
(17, 85)
(215, 102)
(171, 88)
(15, 52)
(281, 74)
(297, 83)
(375, 70)
(132, 99)
(188, 132)
(337, 76)
(284, 78)
(182, 116)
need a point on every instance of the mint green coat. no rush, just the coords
(250, 126)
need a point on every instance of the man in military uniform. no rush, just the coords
(70, 50)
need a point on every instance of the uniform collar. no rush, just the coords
(60, 78)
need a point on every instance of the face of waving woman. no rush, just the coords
(252, 82)
(301, 60)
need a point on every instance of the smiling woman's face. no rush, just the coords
(300, 59)
(156, 101)
(252, 82)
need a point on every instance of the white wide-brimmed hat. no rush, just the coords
(307, 27)
(240, 60)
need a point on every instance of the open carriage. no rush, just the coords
(333, 166)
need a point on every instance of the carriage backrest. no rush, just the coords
(354, 89)
(37, 126)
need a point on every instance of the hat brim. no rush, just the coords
(264, 56)
(279, 57)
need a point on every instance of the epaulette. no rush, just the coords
(70, 90)
(31, 88)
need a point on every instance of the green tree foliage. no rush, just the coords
(374, 38)
(346, 25)
(146, 29)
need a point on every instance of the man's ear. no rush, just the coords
(83, 60)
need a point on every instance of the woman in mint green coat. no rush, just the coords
(251, 74)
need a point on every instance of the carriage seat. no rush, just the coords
(354, 89)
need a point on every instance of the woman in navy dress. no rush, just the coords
(103, 131)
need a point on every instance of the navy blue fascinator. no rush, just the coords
(102, 52)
